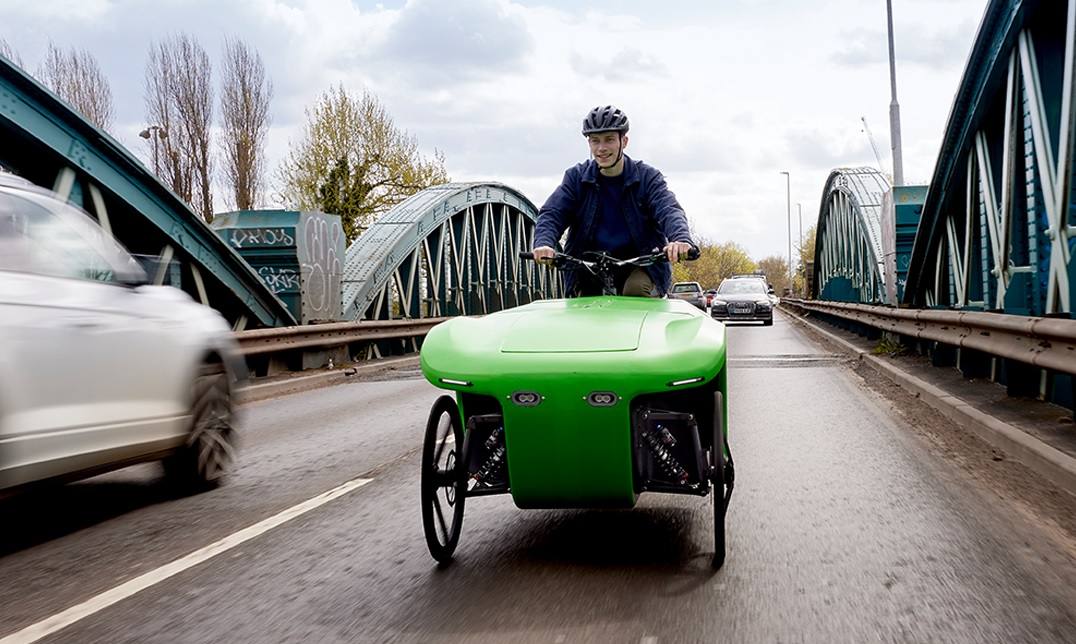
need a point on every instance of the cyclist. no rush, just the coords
(617, 205)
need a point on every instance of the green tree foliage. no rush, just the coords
(353, 162)
(715, 263)
(805, 250)
(776, 269)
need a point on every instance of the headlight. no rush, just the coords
(718, 304)
(526, 398)
(762, 305)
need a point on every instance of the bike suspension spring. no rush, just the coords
(658, 444)
(493, 464)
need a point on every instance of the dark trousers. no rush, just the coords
(635, 282)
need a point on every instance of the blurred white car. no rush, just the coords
(100, 370)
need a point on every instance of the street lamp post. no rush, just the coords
(788, 199)
(156, 132)
(894, 106)
(799, 207)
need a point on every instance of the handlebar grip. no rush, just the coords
(693, 254)
(523, 254)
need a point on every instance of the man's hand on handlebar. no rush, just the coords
(674, 250)
(544, 255)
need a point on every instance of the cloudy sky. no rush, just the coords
(723, 95)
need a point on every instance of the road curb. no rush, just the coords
(257, 391)
(1049, 462)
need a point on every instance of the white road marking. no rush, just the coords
(64, 619)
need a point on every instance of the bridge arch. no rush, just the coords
(848, 242)
(46, 142)
(998, 230)
(451, 249)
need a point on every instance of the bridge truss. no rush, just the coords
(848, 241)
(998, 229)
(46, 142)
(451, 249)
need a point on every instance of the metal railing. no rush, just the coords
(258, 344)
(1047, 343)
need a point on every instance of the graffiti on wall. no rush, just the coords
(247, 237)
(280, 280)
(323, 267)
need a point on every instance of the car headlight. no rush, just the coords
(718, 304)
(762, 305)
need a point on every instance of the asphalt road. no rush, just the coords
(857, 516)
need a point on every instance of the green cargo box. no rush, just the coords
(569, 377)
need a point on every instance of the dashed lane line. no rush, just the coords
(98, 603)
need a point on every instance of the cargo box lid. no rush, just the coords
(583, 329)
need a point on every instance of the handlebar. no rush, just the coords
(604, 260)
(603, 266)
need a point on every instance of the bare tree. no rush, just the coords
(244, 107)
(179, 100)
(161, 112)
(8, 52)
(75, 77)
(776, 269)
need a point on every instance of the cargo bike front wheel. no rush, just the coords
(443, 479)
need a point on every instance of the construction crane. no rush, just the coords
(877, 154)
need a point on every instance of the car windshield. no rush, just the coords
(41, 235)
(686, 288)
(742, 286)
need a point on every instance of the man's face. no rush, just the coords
(605, 147)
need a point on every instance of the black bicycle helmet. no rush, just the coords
(605, 119)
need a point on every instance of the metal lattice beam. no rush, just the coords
(451, 249)
(999, 223)
(46, 142)
(849, 261)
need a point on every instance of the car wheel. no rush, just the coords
(768, 322)
(209, 451)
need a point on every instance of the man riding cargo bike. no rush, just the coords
(589, 401)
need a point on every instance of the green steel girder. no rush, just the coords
(451, 249)
(849, 260)
(45, 141)
(998, 230)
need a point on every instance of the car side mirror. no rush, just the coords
(769, 291)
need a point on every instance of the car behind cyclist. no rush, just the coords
(617, 205)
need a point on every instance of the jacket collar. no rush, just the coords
(631, 172)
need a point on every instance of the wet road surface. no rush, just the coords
(848, 524)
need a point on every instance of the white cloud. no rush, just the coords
(723, 96)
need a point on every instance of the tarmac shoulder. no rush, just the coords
(1039, 434)
(264, 388)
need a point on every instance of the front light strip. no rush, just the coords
(680, 383)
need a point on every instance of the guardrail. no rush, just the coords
(323, 339)
(1047, 343)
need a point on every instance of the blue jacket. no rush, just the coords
(651, 211)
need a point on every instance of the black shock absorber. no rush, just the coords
(659, 442)
(495, 445)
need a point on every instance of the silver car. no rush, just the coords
(99, 369)
(689, 292)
